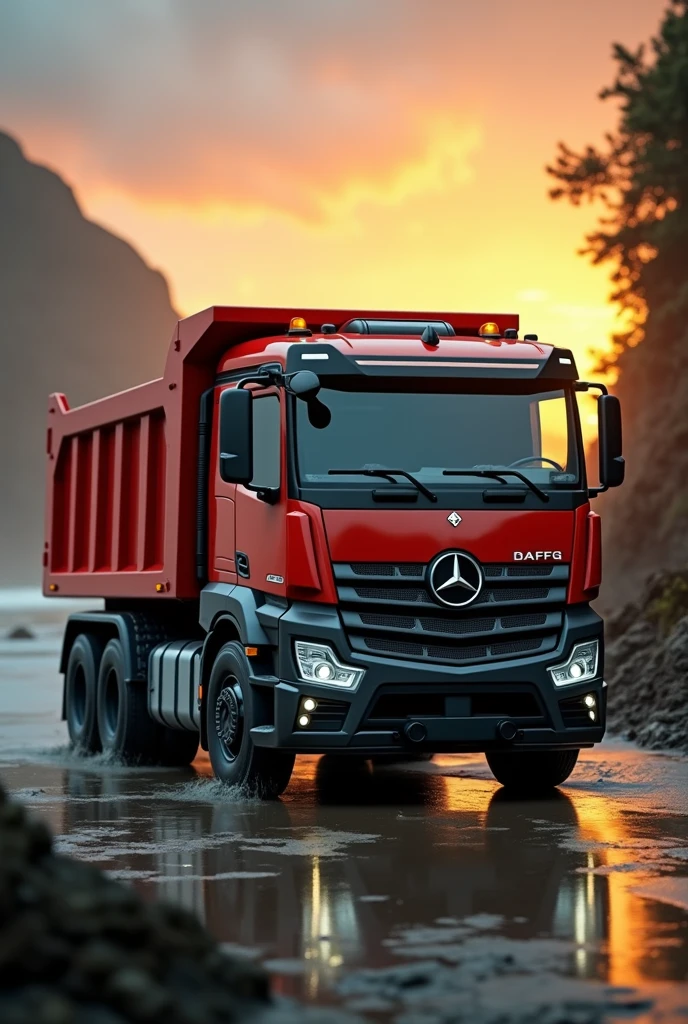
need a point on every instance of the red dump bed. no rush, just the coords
(122, 471)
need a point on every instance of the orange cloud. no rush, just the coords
(347, 152)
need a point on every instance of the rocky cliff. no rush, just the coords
(81, 313)
(647, 664)
(646, 520)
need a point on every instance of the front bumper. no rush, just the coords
(467, 704)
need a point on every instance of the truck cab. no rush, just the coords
(391, 551)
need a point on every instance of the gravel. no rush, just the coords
(647, 665)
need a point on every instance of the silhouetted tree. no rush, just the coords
(640, 175)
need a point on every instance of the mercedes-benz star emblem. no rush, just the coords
(455, 579)
(454, 519)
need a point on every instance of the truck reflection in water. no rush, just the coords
(327, 878)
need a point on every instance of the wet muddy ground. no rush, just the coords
(406, 894)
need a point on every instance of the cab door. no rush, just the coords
(260, 508)
(222, 515)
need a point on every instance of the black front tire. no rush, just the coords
(126, 729)
(532, 772)
(81, 693)
(229, 708)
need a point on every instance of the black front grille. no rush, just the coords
(518, 612)
(523, 621)
(490, 595)
(408, 595)
(416, 569)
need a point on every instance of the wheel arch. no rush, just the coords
(224, 630)
(107, 626)
(101, 624)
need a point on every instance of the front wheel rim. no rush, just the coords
(229, 719)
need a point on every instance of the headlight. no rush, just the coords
(581, 665)
(318, 663)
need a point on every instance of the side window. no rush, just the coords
(550, 428)
(266, 441)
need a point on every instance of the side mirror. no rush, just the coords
(612, 464)
(304, 384)
(236, 436)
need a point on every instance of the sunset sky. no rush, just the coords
(346, 152)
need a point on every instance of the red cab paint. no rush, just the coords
(417, 536)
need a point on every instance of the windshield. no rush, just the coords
(427, 433)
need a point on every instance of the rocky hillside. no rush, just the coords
(647, 665)
(645, 593)
(81, 313)
(646, 520)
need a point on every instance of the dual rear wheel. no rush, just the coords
(104, 712)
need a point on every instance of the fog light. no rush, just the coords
(589, 700)
(592, 715)
(309, 704)
(304, 720)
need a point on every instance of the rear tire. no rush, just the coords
(81, 693)
(532, 772)
(126, 729)
(234, 757)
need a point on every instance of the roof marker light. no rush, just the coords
(489, 330)
(566, 362)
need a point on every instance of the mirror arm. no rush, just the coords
(271, 374)
(586, 385)
(266, 375)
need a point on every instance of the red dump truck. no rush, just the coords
(340, 532)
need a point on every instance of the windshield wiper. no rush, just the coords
(388, 474)
(498, 474)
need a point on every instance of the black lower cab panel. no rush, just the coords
(393, 707)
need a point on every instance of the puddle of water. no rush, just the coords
(391, 890)
(362, 870)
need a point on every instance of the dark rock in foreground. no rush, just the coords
(79, 948)
(647, 665)
(21, 633)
